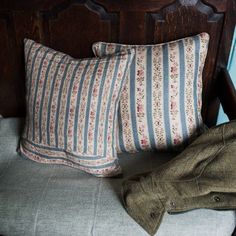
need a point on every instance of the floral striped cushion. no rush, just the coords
(160, 106)
(71, 108)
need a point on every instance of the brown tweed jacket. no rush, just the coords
(202, 176)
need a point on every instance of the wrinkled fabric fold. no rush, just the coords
(202, 176)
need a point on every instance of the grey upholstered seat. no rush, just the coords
(40, 199)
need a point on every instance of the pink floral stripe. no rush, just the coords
(182, 126)
(62, 107)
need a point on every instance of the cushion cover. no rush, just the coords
(71, 108)
(160, 106)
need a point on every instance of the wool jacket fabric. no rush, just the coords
(202, 176)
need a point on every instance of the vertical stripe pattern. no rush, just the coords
(71, 108)
(160, 106)
(182, 93)
(166, 94)
(149, 105)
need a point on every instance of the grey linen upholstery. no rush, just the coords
(40, 199)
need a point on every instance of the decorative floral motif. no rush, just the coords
(160, 106)
(71, 107)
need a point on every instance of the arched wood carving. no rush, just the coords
(71, 26)
(192, 17)
(87, 20)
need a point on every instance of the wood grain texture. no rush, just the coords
(71, 26)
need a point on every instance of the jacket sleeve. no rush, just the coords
(200, 177)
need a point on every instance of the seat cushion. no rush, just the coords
(39, 199)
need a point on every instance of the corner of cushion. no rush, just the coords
(115, 171)
(18, 147)
(146, 209)
(95, 48)
(26, 40)
(205, 35)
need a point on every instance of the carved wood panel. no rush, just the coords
(73, 28)
(185, 18)
(8, 62)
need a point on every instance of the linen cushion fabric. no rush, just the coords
(160, 106)
(72, 108)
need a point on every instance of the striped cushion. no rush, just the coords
(71, 108)
(160, 106)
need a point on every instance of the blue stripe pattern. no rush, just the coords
(81, 83)
(43, 95)
(133, 105)
(166, 91)
(36, 92)
(120, 131)
(63, 96)
(99, 106)
(115, 113)
(27, 53)
(51, 92)
(66, 121)
(196, 69)
(149, 106)
(181, 92)
(58, 112)
(87, 115)
(168, 118)
(30, 82)
(109, 104)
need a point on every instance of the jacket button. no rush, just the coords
(216, 198)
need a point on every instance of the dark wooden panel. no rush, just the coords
(178, 21)
(73, 28)
(137, 34)
(15, 26)
(192, 18)
(220, 5)
(10, 88)
(29, 5)
(70, 26)
(134, 5)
